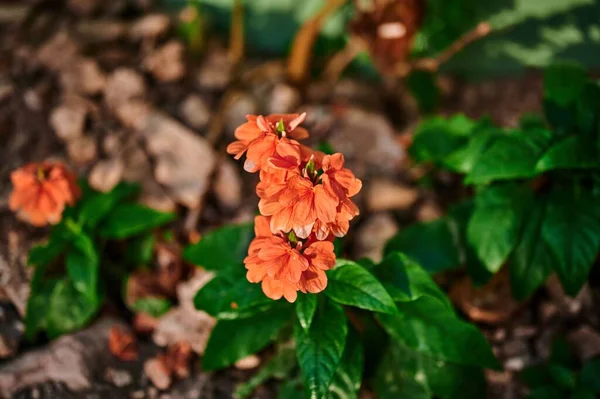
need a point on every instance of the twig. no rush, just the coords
(340, 60)
(236, 39)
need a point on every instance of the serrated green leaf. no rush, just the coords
(405, 373)
(232, 297)
(320, 348)
(128, 220)
(306, 305)
(428, 326)
(590, 375)
(406, 281)
(572, 231)
(222, 248)
(351, 284)
(232, 340)
(512, 156)
(348, 377)
(96, 206)
(154, 306)
(532, 261)
(431, 244)
(495, 225)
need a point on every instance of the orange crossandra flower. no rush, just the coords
(41, 192)
(284, 267)
(258, 137)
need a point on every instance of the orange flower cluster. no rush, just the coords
(304, 204)
(41, 192)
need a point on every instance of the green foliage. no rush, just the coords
(535, 207)
(68, 289)
(154, 306)
(348, 377)
(306, 306)
(223, 248)
(350, 284)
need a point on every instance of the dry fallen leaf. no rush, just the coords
(122, 344)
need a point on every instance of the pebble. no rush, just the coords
(386, 195)
(106, 174)
(195, 111)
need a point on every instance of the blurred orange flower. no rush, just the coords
(41, 192)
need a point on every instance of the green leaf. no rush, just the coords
(279, 366)
(570, 153)
(482, 136)
(351, 284)
(512, 156)
(583, 393)
(83, 265)
(228, 298)
(590, 375)
(320, 348)
(405, 373)
(562, 353)
(222, 248)
(424, 88)
(572, 231)
(128, 220)
(44, 254)
(536, 376)
(38, 303)
(139, 250)
(428, 326)
(406, 281)
(154, 306)
(232, 340)
(97, 206)
(306, 305)
(495, 226)
(547, 392)
(562, 376)
(292, 390)
(532, 261)
(69, 309)
(564, 82)
(431, 244)
(348, 377)
(436, 138)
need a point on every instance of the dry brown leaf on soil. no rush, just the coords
(122, 344)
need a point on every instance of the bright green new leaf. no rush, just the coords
(572, 230)
(128, 220)
(97, 206)
(430, 244)
(232, 340)
(306, 305)
(532, 261)
(428, 326)
(406, 281)
(320, 348)
(222, 248)
(232, 297)
(348, 377)
(495, 226)
(351, 284)
(405, 373)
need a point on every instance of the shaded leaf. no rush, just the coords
(348, 377)
(589, 377)
(96, 206)
(127, 220)
(570, 153)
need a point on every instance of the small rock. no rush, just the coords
(119, 378)
(158, 373)
(101, 31)
(228, 185)
(111, 143)
(566, 304)
(215, 73)
(68, 119)
(238, 105)
(284, 99)
(429, 210)
(385, 195)
(514, 364)
(586, 342)
(58, 52)
(368, 140)
(149, 26)
(32, 100)
(373, 235)
(166, 62)
(247, 363)
(83, 76)
(195, 111)
(82, 150)
(123, 85)
(106, 174)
